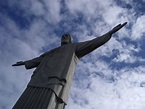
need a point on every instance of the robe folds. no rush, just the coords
(55, 68)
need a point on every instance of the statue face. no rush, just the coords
(66, 39)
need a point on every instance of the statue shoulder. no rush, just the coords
(49, 52)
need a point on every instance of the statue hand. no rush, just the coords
(19, 63)
(118, 27)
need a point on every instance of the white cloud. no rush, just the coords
(38, 8)
(111, 15)
(52, 14)
(123, 93)
(90, 7)
(138, 28)
(47, 9)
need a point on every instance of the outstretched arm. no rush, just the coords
(30, 63)
(33, 62)
(84, 48)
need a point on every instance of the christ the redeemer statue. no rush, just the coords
(51, 81)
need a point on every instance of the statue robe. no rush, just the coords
(55, 68)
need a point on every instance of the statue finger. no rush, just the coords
(124, 24)
(14, 64)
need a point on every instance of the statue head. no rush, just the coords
(66, 39)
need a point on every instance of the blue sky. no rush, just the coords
(113, 76)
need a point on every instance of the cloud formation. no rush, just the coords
(112, 76)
